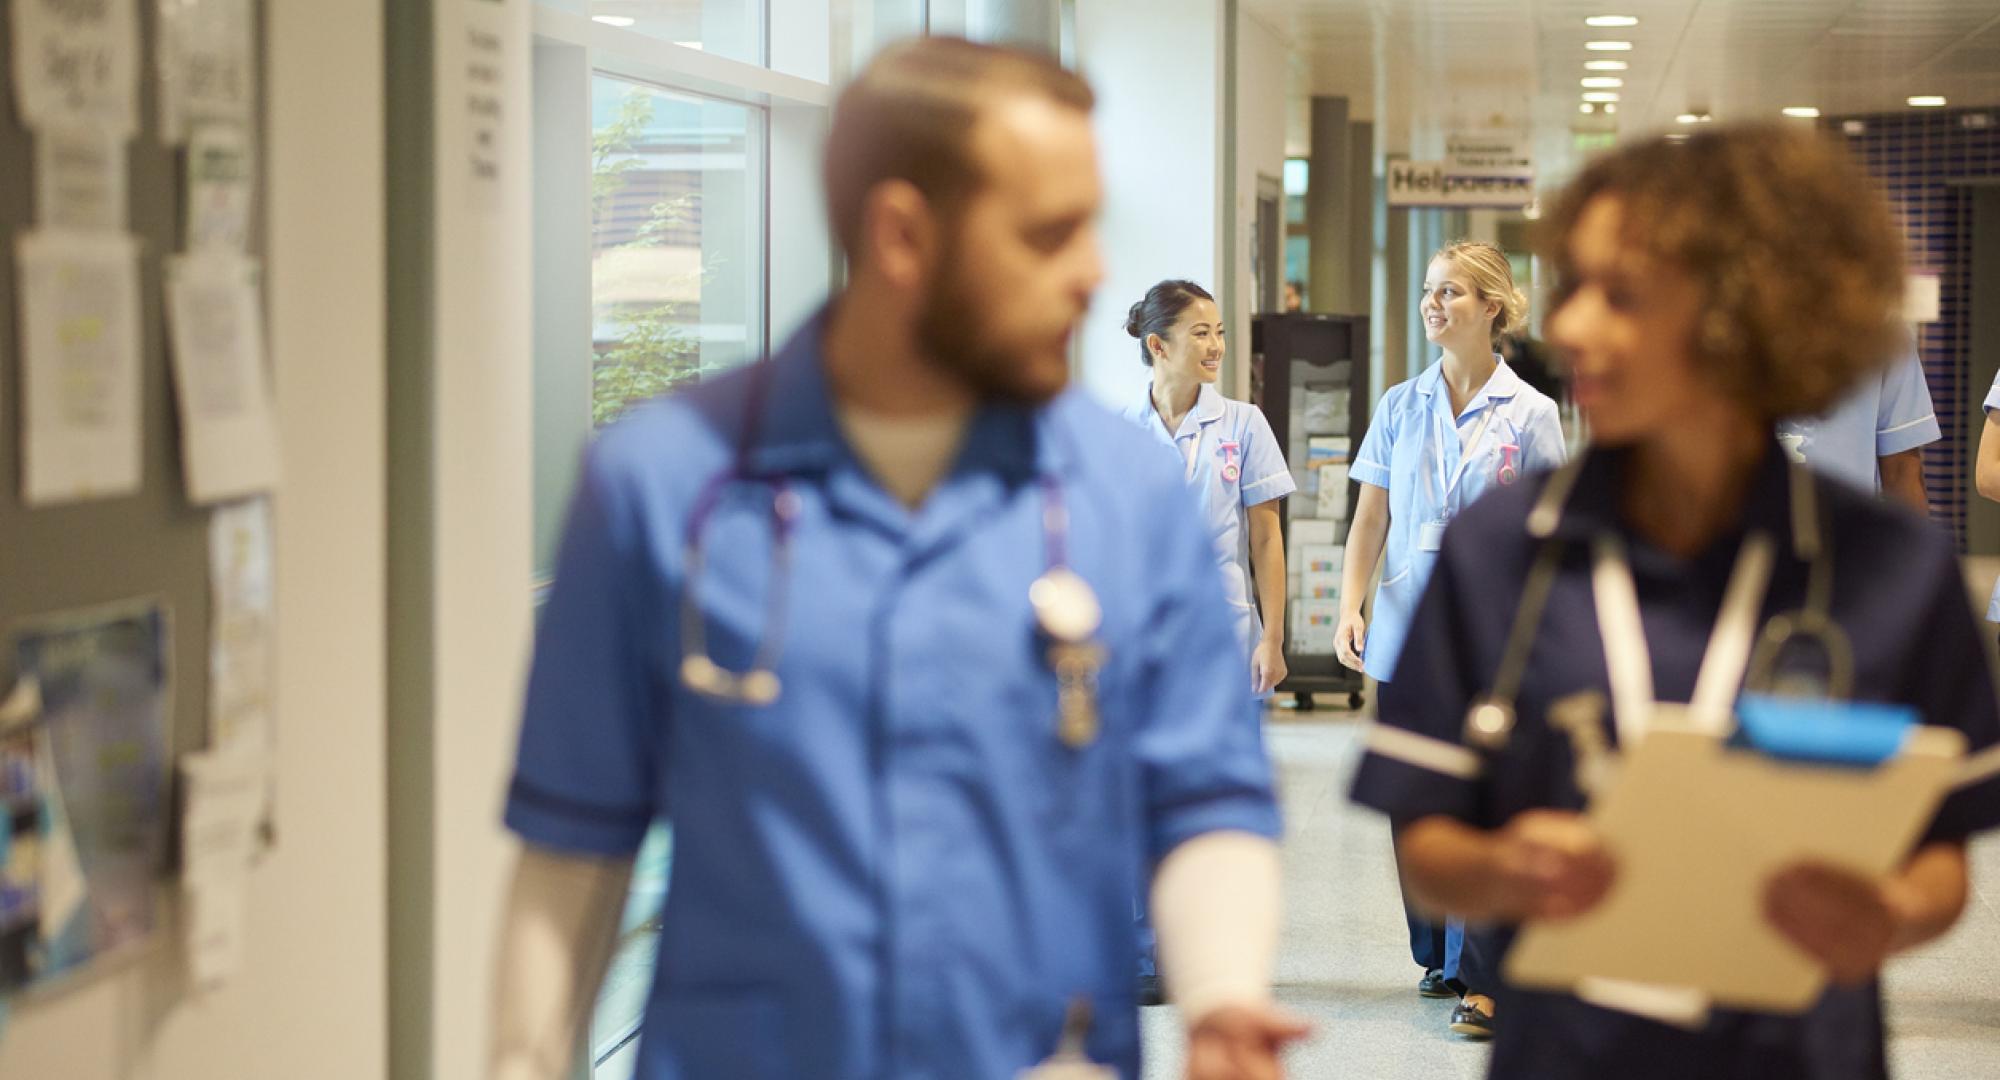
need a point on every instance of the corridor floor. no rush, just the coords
(1344, 964)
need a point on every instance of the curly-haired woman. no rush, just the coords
(1706, 288)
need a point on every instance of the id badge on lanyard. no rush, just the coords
(1430, 534)
(1069, 1062)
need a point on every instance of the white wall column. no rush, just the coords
(1158, 68)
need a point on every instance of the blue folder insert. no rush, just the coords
(1855, 733)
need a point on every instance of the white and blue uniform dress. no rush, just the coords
(1887, 414)
(1414, 450)
(1232, 462)
(899, 868)
(1897, 592)
(1433, 464)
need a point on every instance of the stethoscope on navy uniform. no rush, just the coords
(1738, 653)
(1067, 613)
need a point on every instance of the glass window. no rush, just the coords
(677, 293)
(677, 247)
(728, 28)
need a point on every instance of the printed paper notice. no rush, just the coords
(76, 64)
(242, 629)
(80, 179)
(240, 691)
(221, 191)
(485, 99)
(229, 441)
(225, 795)
(208, 68)
(81, 424)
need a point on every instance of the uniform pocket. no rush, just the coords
(714, 1036)
(1398, 577)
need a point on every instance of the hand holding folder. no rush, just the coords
(1699, 824)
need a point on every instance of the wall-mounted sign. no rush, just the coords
(1490, 155)
(1444, 183)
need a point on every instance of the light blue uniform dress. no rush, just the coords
(898, 869)
(1216, 434)
(1413, 451)
(1885, 415)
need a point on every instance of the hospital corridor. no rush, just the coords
(999, 539)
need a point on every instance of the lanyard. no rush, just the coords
(1465, 456)
(1724, 661)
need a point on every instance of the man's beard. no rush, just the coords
(951, 332)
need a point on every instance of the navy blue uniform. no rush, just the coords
(1898, 595)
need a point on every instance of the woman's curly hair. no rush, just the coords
(1798, 258)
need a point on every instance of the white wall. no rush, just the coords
(310, 1003)
(1157, 66)
(1262, 65)
(481, 559)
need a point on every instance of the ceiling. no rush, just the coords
(1426, 69)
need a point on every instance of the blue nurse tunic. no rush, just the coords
(1214, 436)
(897, 869)
(1897, 593)
(1412, 451)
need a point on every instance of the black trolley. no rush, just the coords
(1309, 373)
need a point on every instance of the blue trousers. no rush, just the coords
(1432, 944)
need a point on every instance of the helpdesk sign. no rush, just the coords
(1458, 184)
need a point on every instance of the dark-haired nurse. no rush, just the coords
(1231, 461)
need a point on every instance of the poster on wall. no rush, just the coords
(86, 793)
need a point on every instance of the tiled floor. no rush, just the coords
(1343, 964)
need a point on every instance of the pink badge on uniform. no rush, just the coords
(1230, 472)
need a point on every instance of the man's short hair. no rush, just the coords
(910, 116)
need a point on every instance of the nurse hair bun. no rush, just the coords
(1157, 313)
(1135, 317)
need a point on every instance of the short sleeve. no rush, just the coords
(1952, 685)
(1904, 418)
(1543, 447)
(1371, 461)
(584, 774)
(1201, 746)
(1415, 763)
(1265, 475)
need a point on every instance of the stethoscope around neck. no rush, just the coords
(1490, 721)
(1066, 608)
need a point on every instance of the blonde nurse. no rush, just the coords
(1435, 444)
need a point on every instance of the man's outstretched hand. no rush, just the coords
(1242, 1042)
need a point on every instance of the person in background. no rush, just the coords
(1232, 462)
(1534, 362)
(1295, 296)
(1986, 472)
(1435, 444)
(1874, 438)
(1706, 288)
(919, 652)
